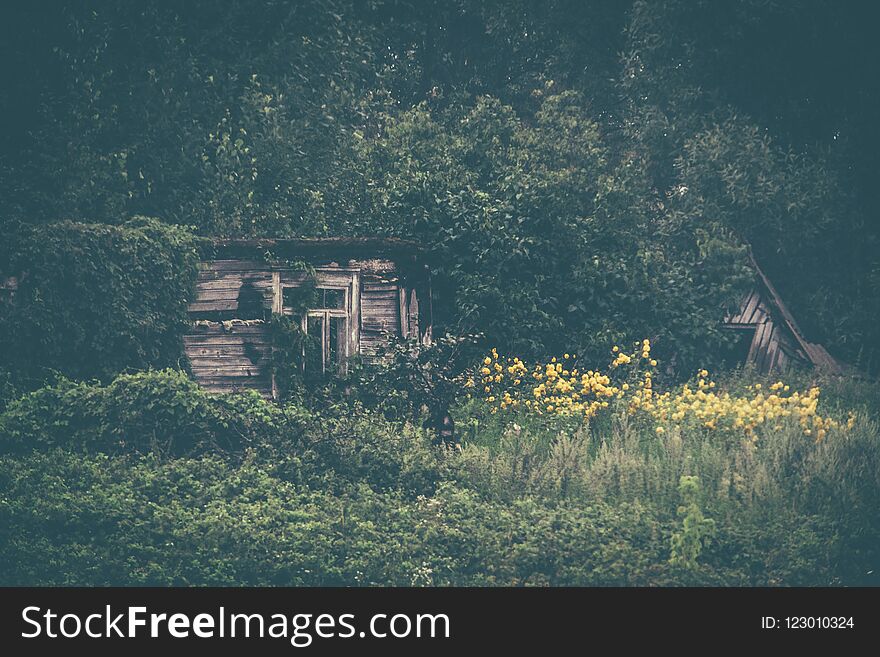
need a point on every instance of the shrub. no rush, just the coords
(95, 300)
(163, 412)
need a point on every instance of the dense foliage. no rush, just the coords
(166, 414)
(269, 495)
(549, 239)
(95, 299)
(602, 163)
(581, 175)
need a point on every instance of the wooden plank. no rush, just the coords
(373, 266)
(233, 284)
(216, 329)
(208, 327)
(772, 350)
(229, 388)
(353, 341)
(252, 381)
(212, 306)
(293, 278)
(761, 353)
(224, 341)
(389, 295)
(382, 321)
(207, 277)
(745, 309)
(379, 326)
(340, 278)
(237, 358)
(369, 304)
(371, 287)
(760, 313)
(227, 294)
(224, 358)
(227, 351)
(390, 319)
(380, 304)
(222, 297)
(756, 341)
(235, 265)
(414, 313)
(277, 293)
(239, 371)
(403, 313)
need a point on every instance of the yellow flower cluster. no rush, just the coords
(561, 387)
(704, 406)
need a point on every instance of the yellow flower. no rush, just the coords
(653, 363)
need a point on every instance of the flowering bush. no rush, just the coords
(564, 387)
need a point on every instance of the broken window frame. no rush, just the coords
(346, 281)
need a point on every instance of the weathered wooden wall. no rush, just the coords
(230, 350)
(773, 347)
(229, 346)
(231, 355)
(388, 305)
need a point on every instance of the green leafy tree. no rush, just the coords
(546, 241)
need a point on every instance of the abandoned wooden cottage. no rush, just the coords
(364, 291)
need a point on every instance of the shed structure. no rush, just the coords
(768, 330)
(367, 290)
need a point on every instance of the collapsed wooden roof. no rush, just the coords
(753, 313)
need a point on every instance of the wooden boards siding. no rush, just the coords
(225, 285)
(230, 355)
(774, 347)
(380, 312)
(229, 346)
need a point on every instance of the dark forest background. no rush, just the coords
(584, 172)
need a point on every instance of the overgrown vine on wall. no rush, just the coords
(289, 341)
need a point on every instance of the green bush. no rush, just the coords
(96, 520)
(546, 240)
(163, 412)
(95, 300)
(151, 480)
